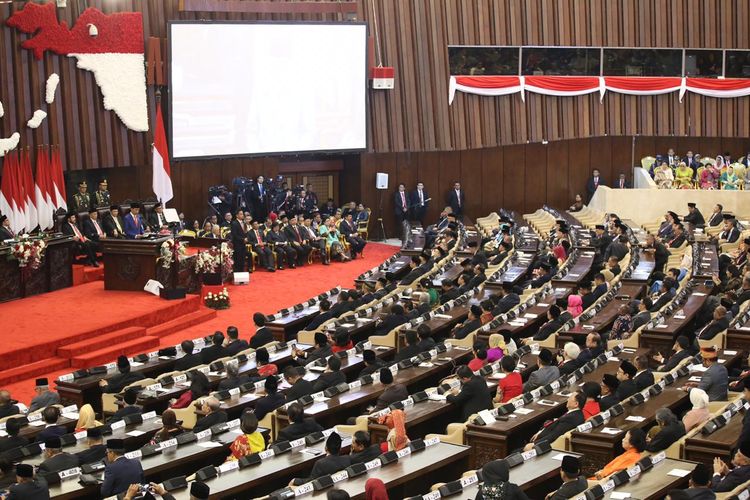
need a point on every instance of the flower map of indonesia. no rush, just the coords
(109, 45)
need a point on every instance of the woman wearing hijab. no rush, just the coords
(699, 414)
(709, 177)
(664, 177)
(375, 489)
(575, 305)
(634, 443)
(397, 438)
(729, 179)
(496, 485)
(497, 345)
(86, 418)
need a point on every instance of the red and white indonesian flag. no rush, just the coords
(162, 181)
(581, 85)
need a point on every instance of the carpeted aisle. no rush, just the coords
(267, 293)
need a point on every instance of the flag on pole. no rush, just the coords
(58, 181)
(27, 176)
(6, 191)
(18, 222)
(162, 179)
(44, 205)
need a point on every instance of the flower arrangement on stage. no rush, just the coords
(218, 300)
(167, 252)
(28, 252)
(213, 259)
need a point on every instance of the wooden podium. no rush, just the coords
(129, 264)
(56, 271)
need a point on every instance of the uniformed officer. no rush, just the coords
(101, 196)
(82, 199)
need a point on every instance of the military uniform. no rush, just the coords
(102, 198)
(81, 201)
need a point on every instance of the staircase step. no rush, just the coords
(93, 273)
(32, 370)
(182, 322)
(109, 354)
(100, 341)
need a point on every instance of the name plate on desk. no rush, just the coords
(469, 480)
(586, 426)
(235, 391)
(133, 454)
(80, 435)
(179, 378)
(153, 387)
(232, 424)
(168, 443)
(117, 425)
(340, 476)
(403, 452)
(528, 455)
(297, 443)
(229, 466)
(372, 464)
(266, 454)
(110, 366)
(304, 489)
(203, 434)
(68, 473)
(634, 471)
(66, 378)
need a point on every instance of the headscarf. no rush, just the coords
(575, 305)
(396, 422)
(698, 398)
(497, 341)
(375, 489)
(495, 475)
(86, 418)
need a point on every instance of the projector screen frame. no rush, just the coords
(270, 153)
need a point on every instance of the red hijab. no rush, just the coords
(375, 490)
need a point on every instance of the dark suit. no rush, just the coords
(597, 292)
(571, 489)
(51, 431)
(370, 453)
(118, 382)
(120, 474)
(407, 352)
(695, 218)
(8, 410)
(89, 230)
(262, 337)
(11, 442)
(297, 236)
(677, 241)
(259, 244)
(622, 184)
(745, 434)
(393, 394)
(34, 490)
(124, 412)
(547, 329)
(188, 361)
(639, 320)
(212, 353)
(426, 344)
(626, 389)
(607, 402)
(218, 417)
(644, 379)
(699, 493)
(5, 234)
(505, 304)
(616, 249)
(319, 353)
(592, 184)
(60, 462)
(665, 437)
(235, 346)
(468, 327)
(474, 397)
(329, 464)
(300, 388)
(662, 301)
(328, 379)
(350, 233)
(457, 201)
(419, 208)
(94, 454)
(267, 404)
(299, 430)
(567, 422)
(715, 219)
(239, 239)
(318, 320)
(568, 367)
(736, 477)
(86, 247)
(390, 322)
(259, 201)
(233, 382)
(156, 221)
(283, 249)
(449, 295)
(713, 328)
(401, 206)
(675, 360)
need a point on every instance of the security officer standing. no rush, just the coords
(82, 199)
(101, 196)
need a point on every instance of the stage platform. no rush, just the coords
(85, 325)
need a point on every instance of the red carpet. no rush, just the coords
(43, 324)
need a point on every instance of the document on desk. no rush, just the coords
(443, 316)
(635, 418)
(611, 430)
(619, 494)
(546, 402)
(678, 472)
(523, 411)
(135, 433)
(209, 444)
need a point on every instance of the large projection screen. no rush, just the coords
(241, 89)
